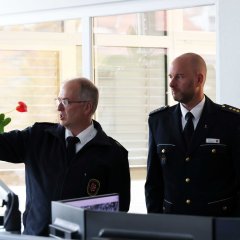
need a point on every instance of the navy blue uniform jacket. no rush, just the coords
(203, 180)
(100, 167)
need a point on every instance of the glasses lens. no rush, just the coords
(59, 101)
(64, 102)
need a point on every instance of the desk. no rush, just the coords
(11, 236)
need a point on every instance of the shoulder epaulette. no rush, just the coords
(229, 108)
(158, 110)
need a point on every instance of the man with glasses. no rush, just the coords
(68, 160)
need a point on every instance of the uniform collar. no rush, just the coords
(100, 139)
(196, 111)
(84, 136)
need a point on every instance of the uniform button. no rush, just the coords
(163, 150)
(188, 201)
(187, 180)
(224, 208)
(214, 150)
(187, 159)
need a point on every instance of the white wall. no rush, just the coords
(228, 52)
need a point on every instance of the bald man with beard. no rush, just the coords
(193, 163)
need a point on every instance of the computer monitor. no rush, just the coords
(68, 216)
(73, 222)
(107, 202)
(129, 225)
(12, 215)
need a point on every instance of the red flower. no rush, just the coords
(22, 107)
(4, 121)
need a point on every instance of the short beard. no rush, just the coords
(184, 98)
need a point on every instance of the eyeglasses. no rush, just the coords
(65, 102)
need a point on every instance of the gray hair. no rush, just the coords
(88, 91)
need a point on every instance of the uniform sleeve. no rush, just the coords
(154, 182)
(13, 146)
(236, 159)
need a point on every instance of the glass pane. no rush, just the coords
(210, 84)
(79, 60)
(120, 70)
(148, 23)
(31, 77)
(199, 19)
(73, 26)
(131, 83)
(35, 27)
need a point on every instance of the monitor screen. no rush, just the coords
(108, 202)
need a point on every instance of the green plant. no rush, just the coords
(4, 121)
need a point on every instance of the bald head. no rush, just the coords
(195, 62)
(188, 75)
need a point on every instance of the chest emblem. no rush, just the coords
(93, 187)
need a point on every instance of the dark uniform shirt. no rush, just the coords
(100, 167)
(201, 180)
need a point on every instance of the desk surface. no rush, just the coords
(12, 236)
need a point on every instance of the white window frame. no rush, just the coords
(47, 11)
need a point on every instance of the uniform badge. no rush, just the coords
(93, 187)
(212, 140)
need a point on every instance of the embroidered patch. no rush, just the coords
(93, 187)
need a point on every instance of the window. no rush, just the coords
(131, 55)
(30, 71)
(131, 83)
(32, 77)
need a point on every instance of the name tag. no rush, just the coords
(212, 140)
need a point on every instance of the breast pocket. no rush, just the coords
(165, 152)
(222, 207)
(214, 150)
(214, 155)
